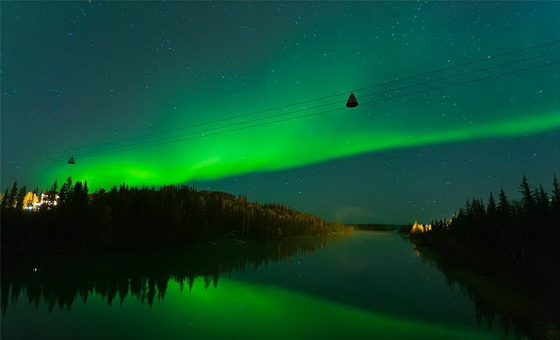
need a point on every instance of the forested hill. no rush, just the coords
(136, 218)
(513, 243)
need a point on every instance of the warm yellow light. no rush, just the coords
(419, 228)
(30, 200)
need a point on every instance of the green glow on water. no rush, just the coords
(233, 310)
(281, 146)
(280, 314)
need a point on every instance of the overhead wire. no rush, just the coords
(486, 59)
(366, 103)
(175, 138)
(180, 138)
(186, 136)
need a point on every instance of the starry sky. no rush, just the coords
(456, 99)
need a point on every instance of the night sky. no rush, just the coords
(457, 99)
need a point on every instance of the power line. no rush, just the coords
(184, 137)
(489, 58)
(174, 139)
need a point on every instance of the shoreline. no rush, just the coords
(536, 318)
(15, 253)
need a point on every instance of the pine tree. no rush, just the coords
(505, 226)
(527, 198)
(491, 208)
(21, 197)
(541, 202)
(66, 191)
(5, 198)
(51, 196)
(12, 196)
(556, 195)
(492, 214)
(503, 204)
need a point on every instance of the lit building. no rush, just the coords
(419, 228)
(49, 198)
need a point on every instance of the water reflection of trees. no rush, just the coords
(59, 282)
(488, 313)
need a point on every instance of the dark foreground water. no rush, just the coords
(370, 285)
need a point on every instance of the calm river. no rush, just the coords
(369, 285)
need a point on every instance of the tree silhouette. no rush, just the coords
(516, 239)
(144, 276)
(527, 198)
(12, 196)
(129, 217)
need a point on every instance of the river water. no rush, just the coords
(369, 285)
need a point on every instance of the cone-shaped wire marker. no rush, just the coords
(352, 101)
(71, 160)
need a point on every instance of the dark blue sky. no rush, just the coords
(201, 93)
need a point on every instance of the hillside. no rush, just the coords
(130, 218)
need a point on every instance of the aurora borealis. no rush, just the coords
(201, 92)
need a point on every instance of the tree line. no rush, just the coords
(516, 238)
(127, 217)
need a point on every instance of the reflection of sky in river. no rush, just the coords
(378, 272)
(233, 310)
(368, 286)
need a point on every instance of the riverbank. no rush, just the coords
(11, 252)
(507, 295)
(128, 218)
(378, 227)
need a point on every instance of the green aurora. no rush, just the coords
(109, 82)
(274, 313)
(221, 155)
